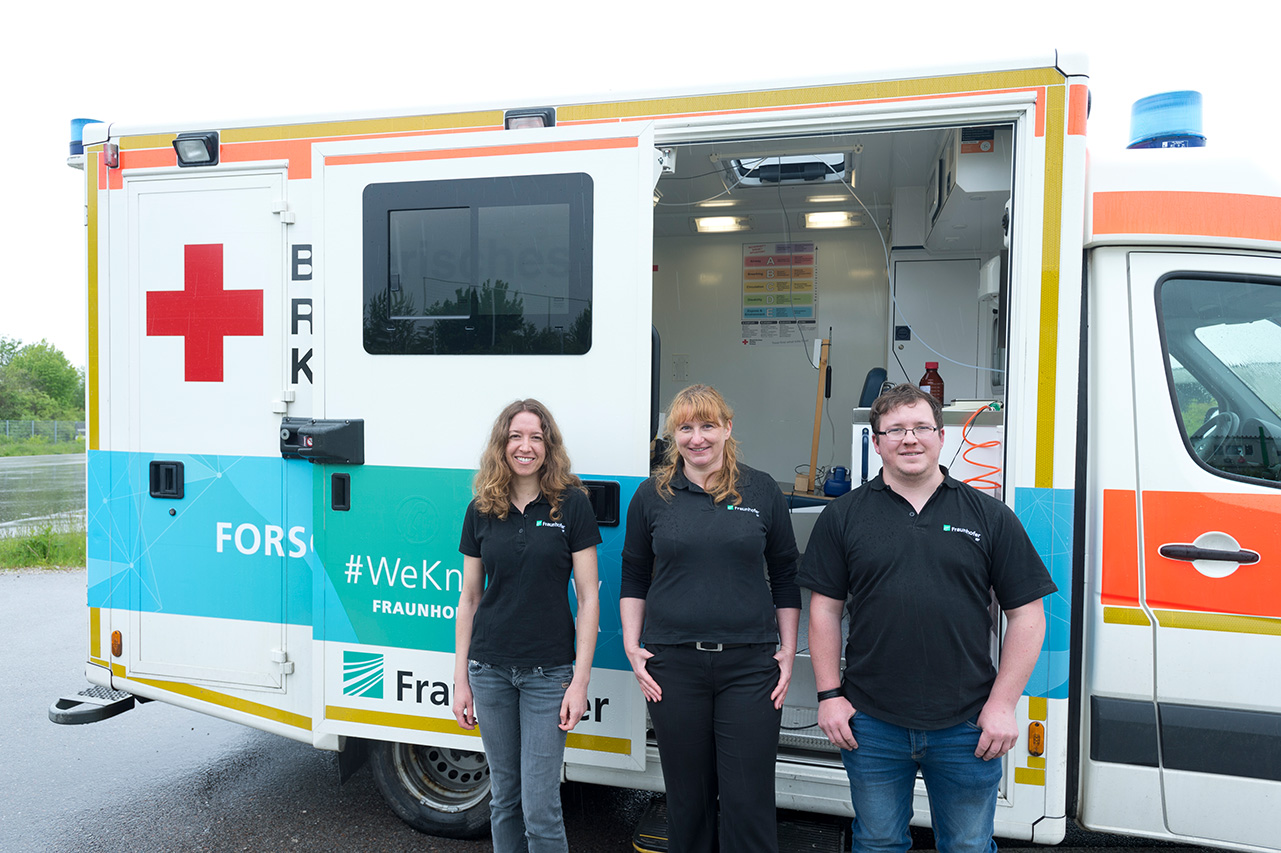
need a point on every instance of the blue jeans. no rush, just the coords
(882, 771)
(518, 710)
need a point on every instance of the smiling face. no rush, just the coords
(914, 458)
(702, 445)
(525, 450)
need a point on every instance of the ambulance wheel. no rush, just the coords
(435, 790)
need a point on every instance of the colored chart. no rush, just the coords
(780, 292)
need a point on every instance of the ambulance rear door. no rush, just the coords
(196, 491)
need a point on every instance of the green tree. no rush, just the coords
(8, 347)
(37, 382)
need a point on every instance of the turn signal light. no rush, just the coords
(117, 644)
(1035, 738)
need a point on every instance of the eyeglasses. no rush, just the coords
(899, 433)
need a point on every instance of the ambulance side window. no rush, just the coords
(1222, 341)
(479, 266)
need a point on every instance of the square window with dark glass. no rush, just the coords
(484, 266)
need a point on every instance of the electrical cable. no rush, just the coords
(700, 201)
(980, 480)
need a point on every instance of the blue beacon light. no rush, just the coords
(78, 134)
(1167, 120)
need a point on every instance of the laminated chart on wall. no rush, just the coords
(780, 292)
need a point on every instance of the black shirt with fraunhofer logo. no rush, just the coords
(916, 587)
(524, 618)
(702, 567)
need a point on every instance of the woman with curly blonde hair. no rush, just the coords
(492, 485)
(703, 534)
(522, 661)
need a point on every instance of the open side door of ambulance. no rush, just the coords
(1189, 639)
(457, 273)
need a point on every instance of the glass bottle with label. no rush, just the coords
(931, 383)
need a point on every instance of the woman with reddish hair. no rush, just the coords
(710, 609)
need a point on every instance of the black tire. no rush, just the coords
(434, 789)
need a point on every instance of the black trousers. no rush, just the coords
(718, 740)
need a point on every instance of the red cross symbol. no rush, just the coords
(203, 313)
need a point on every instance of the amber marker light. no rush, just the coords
(117, 644)
(1035, 738)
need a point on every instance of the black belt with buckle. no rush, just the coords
(718, 647)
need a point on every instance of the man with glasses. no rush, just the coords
(916, 556)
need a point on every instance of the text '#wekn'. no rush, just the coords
(401, 573)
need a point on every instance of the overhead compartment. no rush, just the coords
(968, 183)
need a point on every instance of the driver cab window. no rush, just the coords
(1222, 342)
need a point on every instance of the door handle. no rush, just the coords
(1182, 551)
(315, 440)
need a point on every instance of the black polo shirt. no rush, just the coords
(701, 566)
(917, 590)
(524, 618)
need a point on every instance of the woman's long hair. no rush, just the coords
(700, 403)
(492, 486)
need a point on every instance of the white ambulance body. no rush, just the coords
(300, 334)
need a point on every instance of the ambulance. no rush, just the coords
(301, 331)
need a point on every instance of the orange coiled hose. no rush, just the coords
(979, 481)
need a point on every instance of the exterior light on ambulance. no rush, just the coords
(521, 119)
(78, 134)
(197, 149)
(718, 224)
(1167, 120)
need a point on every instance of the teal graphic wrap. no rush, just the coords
(253, 538)
(1047, 515)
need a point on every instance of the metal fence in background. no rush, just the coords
(48, 430)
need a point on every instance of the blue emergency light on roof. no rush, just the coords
(78, 134)
(1167, 120)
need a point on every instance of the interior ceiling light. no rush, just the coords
(827, 199)
(718, 202)
(832, 219)
(197, 149)
(720, 224)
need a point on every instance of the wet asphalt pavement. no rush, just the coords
(159, 778)
(38, 490)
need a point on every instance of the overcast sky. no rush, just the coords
(146, 61)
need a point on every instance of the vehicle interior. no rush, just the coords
(1223, 338)
(844, 209)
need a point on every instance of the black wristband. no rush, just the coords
(830, 694)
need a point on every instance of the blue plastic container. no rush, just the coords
(838, 482)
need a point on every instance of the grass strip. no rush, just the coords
(43, 547)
